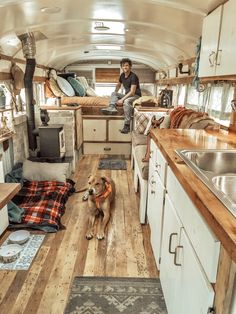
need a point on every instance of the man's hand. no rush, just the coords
(120, 102)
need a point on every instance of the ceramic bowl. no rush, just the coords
(9, 253)
(19, 236)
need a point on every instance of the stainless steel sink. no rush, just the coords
(217, 161)
(217, 170)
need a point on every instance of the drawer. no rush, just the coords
(107, 148)
(204, 242)
(94, 130)
(114, 134)
(3, 219)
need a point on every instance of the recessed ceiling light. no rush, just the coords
(108, 47)
(50, 10)
(99, 26)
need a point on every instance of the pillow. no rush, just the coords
(44, 171)
(55, 88)
(146, 99)
(141, 122)
(146, 92)
(65, 86)
(77, 86)
(165, 123)
(90, 92)
(83, 81)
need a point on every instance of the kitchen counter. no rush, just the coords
(219, 219)
(7, 192)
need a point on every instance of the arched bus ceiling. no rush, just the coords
(158, 31)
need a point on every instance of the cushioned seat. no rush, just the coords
(138, 139)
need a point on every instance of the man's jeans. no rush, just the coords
(127, 104)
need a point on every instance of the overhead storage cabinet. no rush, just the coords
(218, 42)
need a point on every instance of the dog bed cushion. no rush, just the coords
(43, 171)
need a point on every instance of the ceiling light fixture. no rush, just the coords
(99, 26)
(50, 10)
(108, 47)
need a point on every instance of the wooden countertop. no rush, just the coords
(220, 220)
(63, 107)
(7, 192)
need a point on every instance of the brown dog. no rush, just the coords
(101, 193)
(155, 124)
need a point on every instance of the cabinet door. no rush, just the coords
(94, 130)
(226, 64)
(114, 135)
(195, 294)
(210, 41)
(169, 272)
(156, 194)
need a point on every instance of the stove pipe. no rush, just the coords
(29, 51)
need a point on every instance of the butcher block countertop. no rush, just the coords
(219, 219)
(7, 192)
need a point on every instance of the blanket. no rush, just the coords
(44, 203)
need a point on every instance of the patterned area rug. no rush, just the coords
(112, 164)
(30, 248)
(105, 295)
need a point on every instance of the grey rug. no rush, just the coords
(104, 295)
(112, 164)
(29, 251)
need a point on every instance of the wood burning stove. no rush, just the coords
(52, 141)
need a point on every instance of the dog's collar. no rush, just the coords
(103, 195)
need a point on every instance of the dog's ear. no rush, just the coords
(105, 179)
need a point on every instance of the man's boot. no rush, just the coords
(126, 129)
(110, 110)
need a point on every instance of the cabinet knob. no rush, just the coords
(158, 165)
(152, 192)
(94, 130)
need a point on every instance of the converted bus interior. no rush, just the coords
(172, 226)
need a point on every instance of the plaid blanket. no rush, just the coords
(44, 203)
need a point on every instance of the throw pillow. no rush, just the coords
(44, 171)
(141, 122)
(146, 99)
(77, 86)
(90, 92)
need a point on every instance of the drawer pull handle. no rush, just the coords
(153, 182)
(175, 258)
(170, 240)
(152, 192)
(107, 149)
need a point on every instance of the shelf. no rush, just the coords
(6, 109)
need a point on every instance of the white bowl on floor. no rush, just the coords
(19, 236)
(9, 253)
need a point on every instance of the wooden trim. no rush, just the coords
(5, 76)
(224, 283)
(39, 79)
(107, 75)
(176, 80)
(218, 78)
(17, 60)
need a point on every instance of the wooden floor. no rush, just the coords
(125, 252)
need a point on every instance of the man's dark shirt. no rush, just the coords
(132, 79)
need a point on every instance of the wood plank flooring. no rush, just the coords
(125, 252)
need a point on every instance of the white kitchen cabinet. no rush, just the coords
(169, 272)
(210, 42)
(185, 285)
(156, 196)
(226, 63)
(218, 42)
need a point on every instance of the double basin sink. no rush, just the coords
(217, 170)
